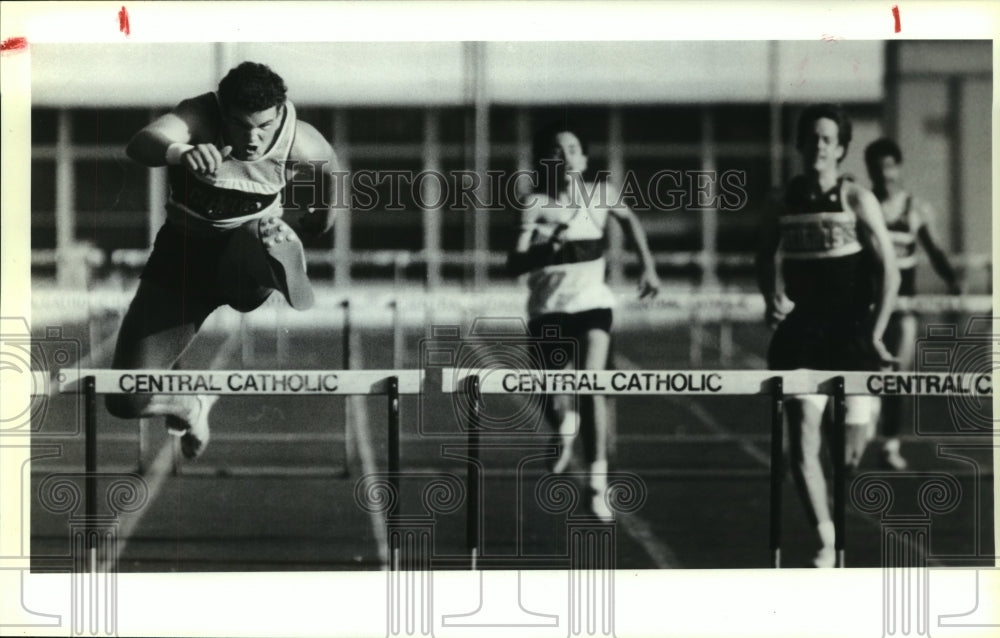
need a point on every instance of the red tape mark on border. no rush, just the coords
(895, 15)
(12, 45)
(123, 25)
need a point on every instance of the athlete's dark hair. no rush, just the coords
(831, 112)
(545, 138)
(543, 145)
(878, 149)
(252, 87)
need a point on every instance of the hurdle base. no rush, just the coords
(201, 471)
(194, 470)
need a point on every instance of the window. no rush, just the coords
(43, 204)
(670, 124)
(107, 127)
(110, 201)
(44, 126)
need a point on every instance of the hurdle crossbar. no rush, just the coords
(93, 382)
(777, 384)
(243, 382)
(716, 382)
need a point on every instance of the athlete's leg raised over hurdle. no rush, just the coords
(158, 327)
(224, 241)
(263, 256)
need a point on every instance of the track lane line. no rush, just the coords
(640, 531)
(163, 462)
(709, 421)
(366, 455)
(702, 416)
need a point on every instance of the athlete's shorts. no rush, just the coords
(826, 342)
(565, 346)
(202, 265)
(823, 342)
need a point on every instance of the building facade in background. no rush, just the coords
(700, 108)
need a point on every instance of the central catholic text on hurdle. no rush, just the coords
(930, 384)
(532, 381)
(256, 382)
(618, 382)
(695, 382)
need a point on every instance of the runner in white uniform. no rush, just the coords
(561, 247)
(224, 242)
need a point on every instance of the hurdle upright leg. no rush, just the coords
(397, 335)
(472, 477)
(393, 445)
(90, 469)
(777, 466)
(141, 462)
(839, 468)
(349, 447)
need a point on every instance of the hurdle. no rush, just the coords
(94, 382)
(475, 383)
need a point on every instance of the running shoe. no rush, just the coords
(194, 432)
(288, 263)
(893, 460)
(599, 504)
(825, 557)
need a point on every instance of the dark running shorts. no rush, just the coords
(190, 263)
(560, 335)
(819, 342)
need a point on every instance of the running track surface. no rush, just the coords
(703, 464)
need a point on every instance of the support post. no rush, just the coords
(349, 434)
(472, 527)
(392, 395)
(777, 466)
(397, 336)
(839, 468)
(90, 469)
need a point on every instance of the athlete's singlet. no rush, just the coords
(822, 260)
(240, 191)
(904, 240)
(574, 280)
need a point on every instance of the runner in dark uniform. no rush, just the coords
(224, 242)
(838, 270)
(908, 219)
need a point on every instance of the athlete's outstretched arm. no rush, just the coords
(766, 269)
(649, 283)
(874, 236)
(178, 137)
(318, 184)
(939, 260)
